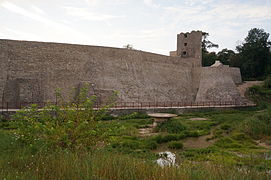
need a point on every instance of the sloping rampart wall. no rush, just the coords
(31, 71)
(217, 84)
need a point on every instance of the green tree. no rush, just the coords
(206, 43)
(225, 55)
(254, 54)
(208, 58)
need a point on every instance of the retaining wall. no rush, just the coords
(32, 71)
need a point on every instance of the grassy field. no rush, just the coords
(232, 144)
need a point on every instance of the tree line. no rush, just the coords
(253, 56)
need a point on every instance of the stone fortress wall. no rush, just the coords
(32, 71)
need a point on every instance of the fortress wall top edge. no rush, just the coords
(82, 45)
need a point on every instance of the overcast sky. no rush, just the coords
(149, 25)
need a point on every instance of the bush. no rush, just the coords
(225, 127)
(259, 94)
(227, 142)
(131, 144)
(108, 117)
(175, 145)
(128, 144)
(175, 137)
(69, 125)
(267, 82)
(151, 145)
(190, 153)
(171, 126)
(258, 125)
(134, 115)
(193, 134)
(167, 138)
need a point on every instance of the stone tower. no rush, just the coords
(189, 45)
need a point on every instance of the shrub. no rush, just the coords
(68, 125)
(196, 152)
(227, 142)
(167, 138)
(134, 115)
(171, 126)
(175, 145)
(151, 145)
(131, 144)
(225, 127)
(258, 125)
(193, 134)
(128, 144)
(107, 117)
(259, 94)
(267, 82)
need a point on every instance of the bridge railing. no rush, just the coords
(11, 106)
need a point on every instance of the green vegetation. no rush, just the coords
(61, 143)
(253, 57)
(172, 126)
(261, 94)
(175, 145)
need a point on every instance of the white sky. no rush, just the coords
(149, 25)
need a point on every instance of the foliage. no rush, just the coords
(167, 138)
(238, 140)
(134, 115)
(171, 126)
(258, 125)
(191, 153)
(175, 137)
(208, 58)
(107, 165)
(129, 156)
(254, 57)
(175, 145)
(267, 82)
(225, 56)
(67, 125)
(207, 43)
(130, 144)
(260, 94)
(225, 127)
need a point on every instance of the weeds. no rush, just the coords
(175, 145)
(68, 125)
(170, 126)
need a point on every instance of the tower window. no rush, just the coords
(185, 35)
(184, 53)
(185, 44)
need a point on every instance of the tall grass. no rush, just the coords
(106, 165)
(258, 125)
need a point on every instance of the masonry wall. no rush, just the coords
(236, 75)
(31, 71)
(217, 84)
(189, 45)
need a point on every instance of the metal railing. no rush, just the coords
(11, 106)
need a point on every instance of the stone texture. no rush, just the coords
(32, 71)
(236, 75)
(216, 84)
(189, 45)
(137, 75)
